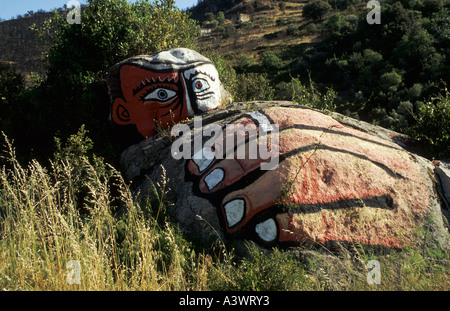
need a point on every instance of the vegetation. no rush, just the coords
(80, 209)
(20, 45)
(60, 201)
(73, 91)
(383, 74)
(316, 9)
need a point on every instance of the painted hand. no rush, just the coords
(330, 181)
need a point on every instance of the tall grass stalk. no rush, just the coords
(49, 217)
(80, 209)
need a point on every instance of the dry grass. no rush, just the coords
(43, 228)
(52, 216)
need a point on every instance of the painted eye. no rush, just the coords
(200, 85)
(161, 95)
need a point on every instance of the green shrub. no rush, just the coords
(212, 24)
(271, 62)
(74, 91)
(247, 25)
(252, 86)
(226, 71)
(220, 17)
(244, 64)
(12, 86)
(260, 271)
(433, 125)
(310, 96)
(310, 29)
(292, 30)
(390, 81)
(316, 9)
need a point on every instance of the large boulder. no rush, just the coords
(315, 178)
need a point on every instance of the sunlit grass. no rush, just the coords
(50, 216)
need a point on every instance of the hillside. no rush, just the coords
(270, 49)
(267, 24)
(21, 47)
(250, 28)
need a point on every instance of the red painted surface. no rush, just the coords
(337, 167)
(150, 99)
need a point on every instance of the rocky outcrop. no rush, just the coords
(315, 178)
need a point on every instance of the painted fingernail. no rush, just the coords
(267, 230)
(234, 210)
(264, 123)
(214, 178)
(203, 158)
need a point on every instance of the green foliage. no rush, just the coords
(271, 63)
(260, 271)
(310, 96)
(433, 125)
(112, 31)
(74, 91)
(12, 85)
(209, 17)
(252, 86)
(220, 17)
(226, 71)
(212, 24)
(292, 30)
(245, 63)
(391, 81)
(339, 24)
(316, 9)
(381, 73)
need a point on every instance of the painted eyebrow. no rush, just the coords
(198, 72)
(151, 81)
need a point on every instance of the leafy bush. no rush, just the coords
(244, 64)
(339, 24)
(12, 85)
(74, 92)
(292, 30)
(316, 9)
(252, 86)
(433, 125)
(310, 96)
(390, 81)
(260, 271)
(271, 63)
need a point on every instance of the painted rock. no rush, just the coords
(156, 91)
(281, 174)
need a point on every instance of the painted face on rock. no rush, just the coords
(153, 99)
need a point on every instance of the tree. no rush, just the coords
(270, 62)
(79, 57)
(12, 85)
(316, 9)
(220, 17)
